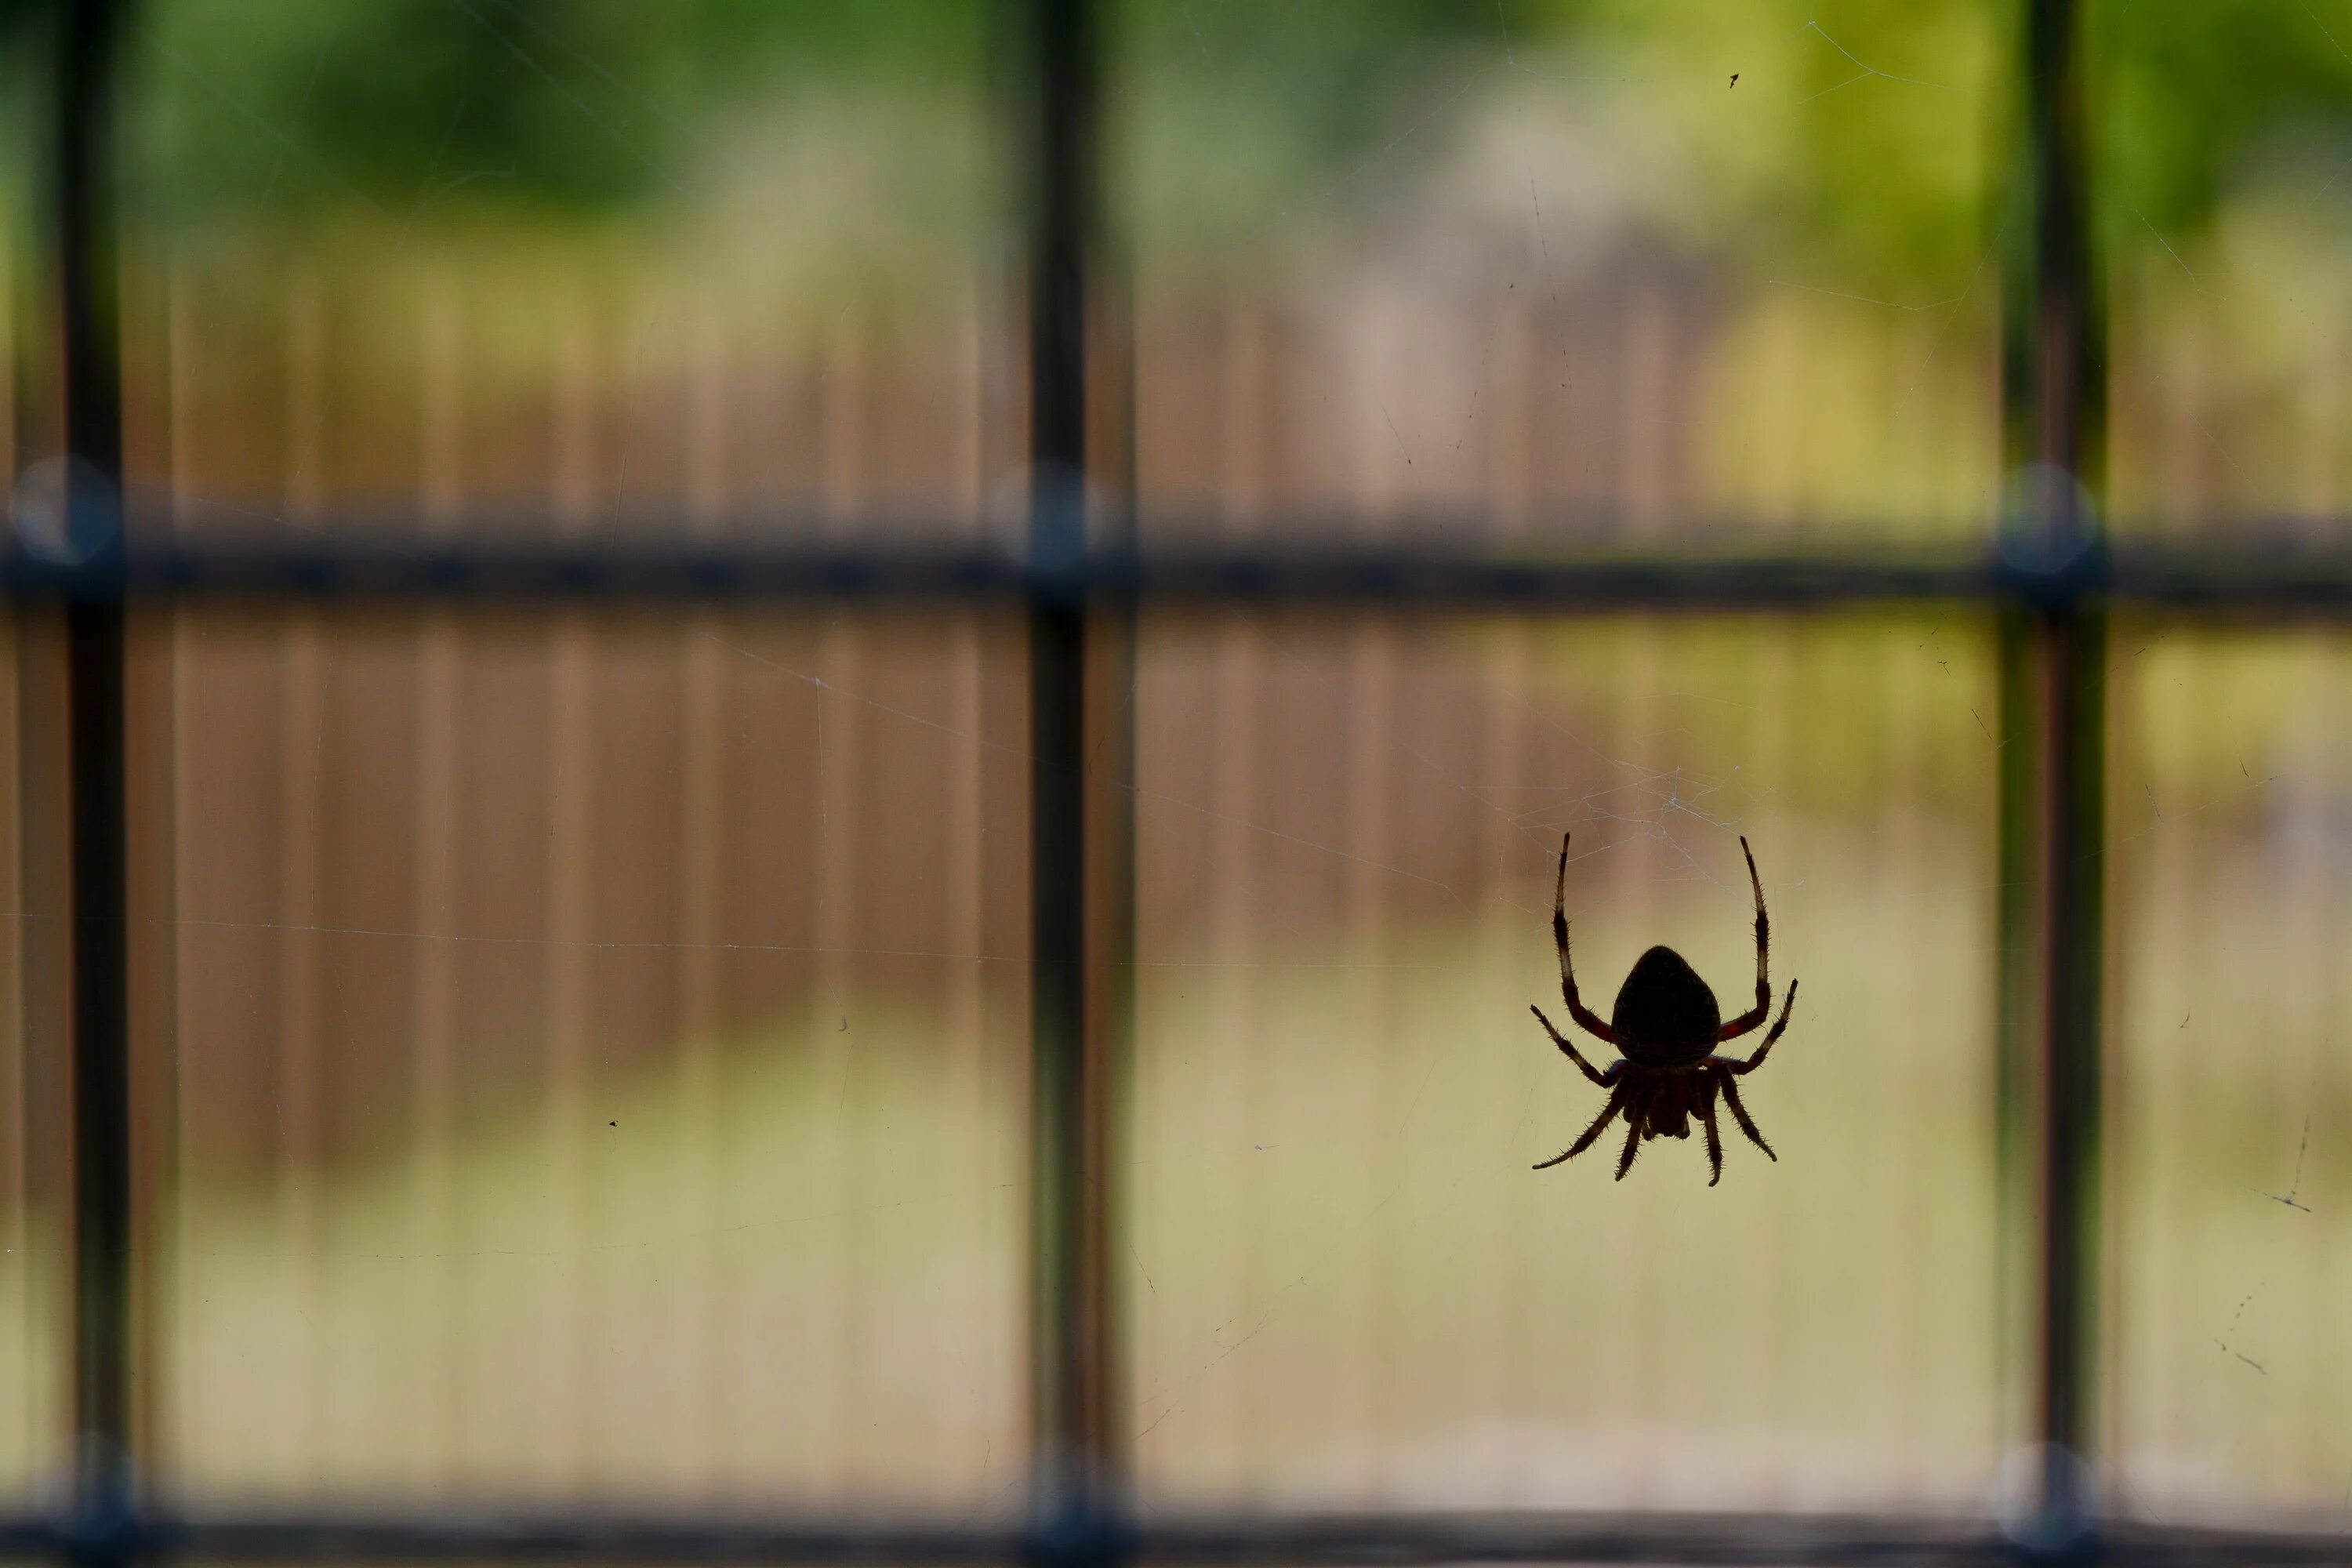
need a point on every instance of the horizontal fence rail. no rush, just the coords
(2282, 575)
(1822, 1540)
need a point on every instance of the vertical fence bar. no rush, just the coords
(83, 213)
(2054, 783)
(1113, 663)
(1071, 1358)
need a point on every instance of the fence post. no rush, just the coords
(1078, 649)
(2053, 774)
(92, 535)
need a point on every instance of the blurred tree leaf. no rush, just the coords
(1868, 130)
(246, 106)
(2194, 99)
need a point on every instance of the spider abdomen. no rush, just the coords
(1664, 1014)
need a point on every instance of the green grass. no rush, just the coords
(789, 1266)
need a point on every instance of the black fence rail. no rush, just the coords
(1829, 1541)
(2272, 574)
(1081, 574)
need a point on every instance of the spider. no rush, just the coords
(1668, 1025)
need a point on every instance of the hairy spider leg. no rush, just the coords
(1616, 1100)
(1586, 1019)
(1633, 1146)
(1756, 1014)
(1714, 1138)
(1616, 1069)
(1733, 1065)
(1739, 1111)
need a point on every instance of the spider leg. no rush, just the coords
(1633, 1146)
(1616, 1069)
(1755, 1015)
(1714, 1138)
(1739, 1111)
(1586, 1019)
(1616, 1099)
(1732, 1064)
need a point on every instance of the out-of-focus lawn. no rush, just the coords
(792, 1268)
(2229, 1314)
(798, 1268)
(1359, 1292)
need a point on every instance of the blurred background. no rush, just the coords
(586, 1052)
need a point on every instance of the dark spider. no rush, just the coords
(1667, 1024)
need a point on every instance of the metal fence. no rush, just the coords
(2050, 574)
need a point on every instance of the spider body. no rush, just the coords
(1665, 1027)
(1665, 1016)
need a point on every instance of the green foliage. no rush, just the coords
(1869, 131)
(2196, 97)
(1864, 131)
(1233, 116)
(1251, 117)
(567, 105)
